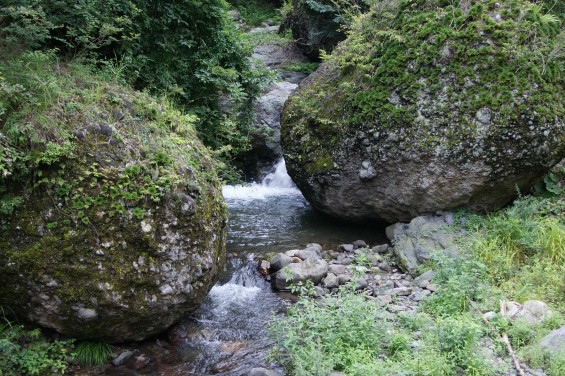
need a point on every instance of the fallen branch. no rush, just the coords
(508, 345)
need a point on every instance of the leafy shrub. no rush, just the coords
(461, 281)
(189, 49)
(334, 334)
(26, 352)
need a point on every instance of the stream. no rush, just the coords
(228, 334)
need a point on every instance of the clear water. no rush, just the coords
(271, 216)
(227, 335)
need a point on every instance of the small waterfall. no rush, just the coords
(276, 183)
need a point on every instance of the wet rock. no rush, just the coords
(402, 291)
(424, 277)
(314, 245)
(264, 267)
(534, 312)
(309, 270)
(330, 281)
(414, 242)
(139, 362)
(421, 295)
(279, 261)
(311, 252)
(554, 342)
(384, 266)
(122, 358)
(342, 279)
(383, 248)
(359, 244)
(232, 347)
(337, 269)
(346, 247)
(263, 372)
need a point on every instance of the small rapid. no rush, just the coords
(228, 334)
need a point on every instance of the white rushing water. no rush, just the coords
(277, 183)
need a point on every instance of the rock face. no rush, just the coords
(124, 236)
(405, 119)
(414, 242)
(266, 136)
(315, 26)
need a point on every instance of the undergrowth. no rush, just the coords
(27, 352)
(513, 254)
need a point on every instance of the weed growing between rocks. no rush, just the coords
(27, 352)
(514, 254)
(93, 353)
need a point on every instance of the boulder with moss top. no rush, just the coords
(120, 230)
(429, 106)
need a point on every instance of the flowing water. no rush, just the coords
(227, 335)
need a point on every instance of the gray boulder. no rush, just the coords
(391, 136)
(414, 242)
(311, 252)
(130, 238)
(279, 261)
(311, 269)
(554, 342)
(534, 312)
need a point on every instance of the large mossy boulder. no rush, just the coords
(430, 106)
(117, 223)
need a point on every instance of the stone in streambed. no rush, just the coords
(330, 281)
(279, 261)
(311, 252)
(310, 269)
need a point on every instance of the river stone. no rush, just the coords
(330, 281)
(124, 238)
(279, 261)
(427, 276)
(311, 269)
(315, 245)
(414, 242)
(311, 252)
(554, 342)
(390, 136)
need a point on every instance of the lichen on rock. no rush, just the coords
(429, 106)
(122, 232)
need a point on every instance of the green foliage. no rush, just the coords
(461, 281)
(26, 352)
(93, 353)
(302, 67)
(337, 333)
(523, 247)
(255, 12)
(189, 48)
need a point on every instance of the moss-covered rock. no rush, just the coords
(120, 227)
(430, 105)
